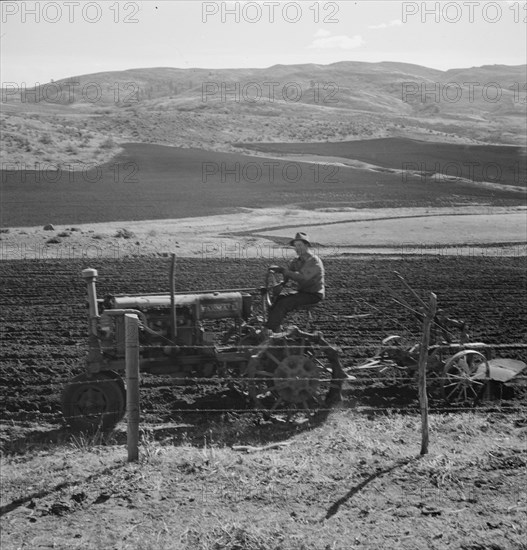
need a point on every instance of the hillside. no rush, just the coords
(84, 118)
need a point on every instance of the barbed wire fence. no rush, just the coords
(363, 390)
(363, 381)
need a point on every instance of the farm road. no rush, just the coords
(264, 232)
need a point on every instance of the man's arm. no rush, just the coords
(309, 272)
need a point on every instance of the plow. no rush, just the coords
(459, 371)
(461, 378)
(221, 334)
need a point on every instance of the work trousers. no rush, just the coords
(286, 303)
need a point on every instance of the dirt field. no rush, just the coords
(148, 182)
(467, 161)
(44, 317)
(350, 479)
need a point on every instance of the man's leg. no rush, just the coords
(284, 304)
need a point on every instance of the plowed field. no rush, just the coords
(44, 318)
(148, 182)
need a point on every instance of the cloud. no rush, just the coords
(340, 42)
(392, 23)
(321, 33)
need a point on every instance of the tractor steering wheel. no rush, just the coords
(274, 283)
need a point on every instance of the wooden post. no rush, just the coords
(131, 330)
(423, 360)
(173, 326)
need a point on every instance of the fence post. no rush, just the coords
(173, 324)
(423, 360)
(131, 331)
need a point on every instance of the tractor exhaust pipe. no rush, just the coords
(90, 275)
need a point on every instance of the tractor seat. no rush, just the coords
(311, 318)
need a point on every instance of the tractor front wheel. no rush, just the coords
(94, 402)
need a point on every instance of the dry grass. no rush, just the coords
(47, 141)
(348, 481)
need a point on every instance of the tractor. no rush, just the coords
(179, 336)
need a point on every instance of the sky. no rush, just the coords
(41, 41)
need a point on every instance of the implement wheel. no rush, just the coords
(96, 402)
(465, 377)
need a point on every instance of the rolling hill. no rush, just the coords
(70, 120)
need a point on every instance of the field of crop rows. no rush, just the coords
(44, 317)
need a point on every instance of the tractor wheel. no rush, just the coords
(287, 376)
(465, 376)
(96, 402)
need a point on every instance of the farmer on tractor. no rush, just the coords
(307, 271)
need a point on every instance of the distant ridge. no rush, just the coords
(146, 75)
(386, 87)
(219, 109)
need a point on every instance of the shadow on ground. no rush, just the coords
(224, 417)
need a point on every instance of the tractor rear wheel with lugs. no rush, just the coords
(287, 375)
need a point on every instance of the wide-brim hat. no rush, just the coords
(300, 237)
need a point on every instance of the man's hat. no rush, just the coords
(300, 237)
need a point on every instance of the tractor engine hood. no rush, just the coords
(214, 305)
